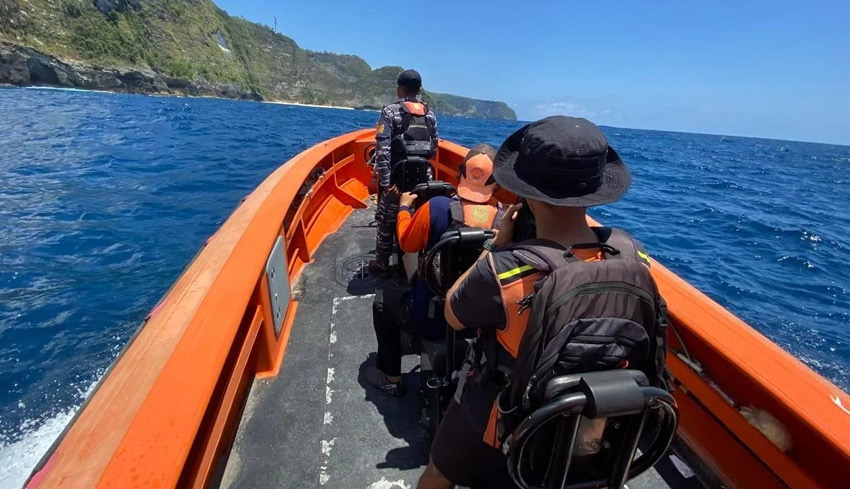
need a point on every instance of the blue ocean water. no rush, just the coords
(104, 199)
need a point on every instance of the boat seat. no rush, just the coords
(457, 250)
(409, 173)
(435, 188)
(432, 349)
(587, 430)
(409, 262)
(435, 350)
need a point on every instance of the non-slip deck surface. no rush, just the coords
(318, 423)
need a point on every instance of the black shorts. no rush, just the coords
(460, 453)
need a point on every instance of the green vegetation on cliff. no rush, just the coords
(196, 42)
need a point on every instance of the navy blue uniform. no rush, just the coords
(390, 125)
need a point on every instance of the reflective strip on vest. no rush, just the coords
(515, 271)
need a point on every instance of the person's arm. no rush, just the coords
(475, 300)
(413, 231)
(435, 138)
(382, 148)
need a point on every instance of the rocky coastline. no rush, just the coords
(23, 66)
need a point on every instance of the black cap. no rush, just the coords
(564, 161)
(410, 79)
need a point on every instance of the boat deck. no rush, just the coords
(318, 423)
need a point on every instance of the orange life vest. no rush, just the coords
(516, 283)
(416, 108)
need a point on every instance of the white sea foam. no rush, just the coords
(67, 89)
(17, 458)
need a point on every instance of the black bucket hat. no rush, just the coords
(564, 161)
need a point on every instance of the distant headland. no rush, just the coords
(194, 49)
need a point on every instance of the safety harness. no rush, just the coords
(412, 148)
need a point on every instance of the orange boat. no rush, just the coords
(248, 373)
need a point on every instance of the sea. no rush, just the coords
(105, 198)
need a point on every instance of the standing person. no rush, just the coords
(560, 166)
(473, 206)
(406, 139)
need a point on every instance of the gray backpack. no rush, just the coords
(585, 317)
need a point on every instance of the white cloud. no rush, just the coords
(562, 108)
(596, 109)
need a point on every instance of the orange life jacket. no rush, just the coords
(416, 108)
(516, 282)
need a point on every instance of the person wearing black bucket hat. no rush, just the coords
(558, 166)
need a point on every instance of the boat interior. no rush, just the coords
(250, 372)
(348, 433)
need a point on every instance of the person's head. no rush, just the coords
(561, 166)
(409, 84)
(476, 182)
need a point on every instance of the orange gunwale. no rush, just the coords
(168, 407)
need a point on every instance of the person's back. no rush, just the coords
(473, 206)
(405, 140)
(419, 232)
(559, 166)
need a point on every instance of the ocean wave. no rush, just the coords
(20, 453)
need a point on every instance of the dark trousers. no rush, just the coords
(388, 333)
(461, 455)
(386, 216)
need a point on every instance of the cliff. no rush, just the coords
(189, 47)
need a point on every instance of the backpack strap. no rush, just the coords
(406, 117)
(456, 209)
(623, 242)
(500, 214)
(543, 254)
(632, 250)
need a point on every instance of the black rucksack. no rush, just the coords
(585, 317)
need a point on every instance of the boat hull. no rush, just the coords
(166, 412)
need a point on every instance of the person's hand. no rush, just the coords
(407, 199)
(505, 235)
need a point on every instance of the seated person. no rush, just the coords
(473, 206)
(560, 166)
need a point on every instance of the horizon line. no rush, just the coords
(522, 122)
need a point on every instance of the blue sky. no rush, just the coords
(776, 69)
